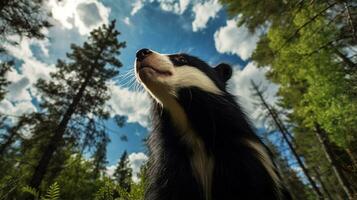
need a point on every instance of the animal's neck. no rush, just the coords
(209, 127)
(202, 163)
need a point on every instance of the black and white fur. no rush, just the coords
(202, 146)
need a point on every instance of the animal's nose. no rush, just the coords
(142, 53)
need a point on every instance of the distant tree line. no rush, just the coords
(309, 48)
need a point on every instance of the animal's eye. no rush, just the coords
(182, 59)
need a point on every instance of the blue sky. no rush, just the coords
(197, 27)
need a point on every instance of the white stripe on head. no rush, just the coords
(187, 76)
(163, 87)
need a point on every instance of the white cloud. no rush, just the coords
(183, 5)
(82, 14)
(126, 20)
(234, 40)
(17, 90)
(240, 85)
(110, 170)
(177, 7)
(135, 105)
(174, 6)
(16, 109)
(203, 13)
(137, 5)
(136, 160)
(21, 86)
(20, 90)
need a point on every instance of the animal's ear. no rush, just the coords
(224, 71)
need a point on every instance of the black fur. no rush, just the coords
(224, 128)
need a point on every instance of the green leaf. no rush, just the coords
(53, 192)
(32, 191)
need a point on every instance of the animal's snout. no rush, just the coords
(142, 54)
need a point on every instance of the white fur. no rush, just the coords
(187, 76)
(181, 77)
(164, 90)
(265, 159)
(203, 165)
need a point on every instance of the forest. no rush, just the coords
(307, 47)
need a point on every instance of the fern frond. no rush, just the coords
(32, 191)
(53, 192)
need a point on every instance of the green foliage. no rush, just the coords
(74, 99)
(31, 191)
(123, 172)
(24, 18)
(108, 191)
(255, 13)
(324, 99)
(307, 47)
(112, 191)
(78, 179)
(52, 193)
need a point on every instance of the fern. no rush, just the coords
(32, 191)
(53, 192)
(106, 192)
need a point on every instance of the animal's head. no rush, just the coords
(164, 75)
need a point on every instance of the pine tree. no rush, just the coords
(289, 176)
(123, 172)
(24, 18)
(77, 92)
(308, 47)
(100, 157)
(278, 123)
(255, 14)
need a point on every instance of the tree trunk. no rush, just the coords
(45, 159)
(352, 157)
(350, 21)
(284, 133)
(326, 147)
(345, 59)
(323, 186)
(298, 159)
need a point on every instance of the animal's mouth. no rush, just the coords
(157, 71)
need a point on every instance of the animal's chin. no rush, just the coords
(151, 74)
(158, 72)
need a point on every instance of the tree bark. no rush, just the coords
(350, 21)
(345, 59)
(326, 147)
(283, 131)
(323, 186)
(352, 156)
